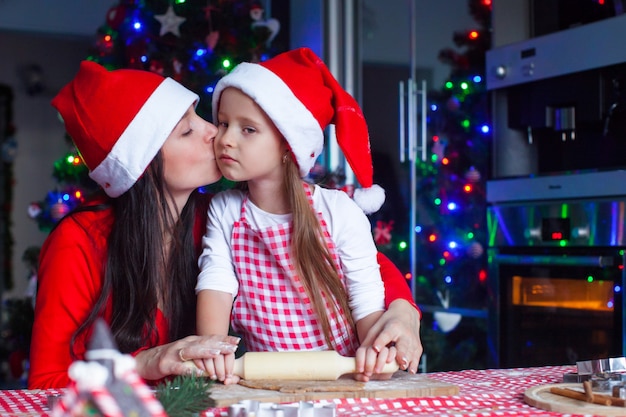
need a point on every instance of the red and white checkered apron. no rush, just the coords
(272, 310)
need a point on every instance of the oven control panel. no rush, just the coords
(556, 54)
(568, 223)
(556, 229)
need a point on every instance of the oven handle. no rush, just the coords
(594, 261)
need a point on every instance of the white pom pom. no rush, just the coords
(124, 364)
(370, 199)
(88, 375)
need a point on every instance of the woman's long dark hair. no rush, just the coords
(151, 263)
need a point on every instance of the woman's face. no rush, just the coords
(188, 156)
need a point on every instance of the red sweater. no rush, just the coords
(69, 283)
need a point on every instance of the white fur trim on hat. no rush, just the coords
(369, 199)
(143, 137)
(273, 95)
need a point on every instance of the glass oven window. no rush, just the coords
(594, 295)
(557, 305)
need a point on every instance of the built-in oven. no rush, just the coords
(556, 274)
(556, 193)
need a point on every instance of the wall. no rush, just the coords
(66, 17)
(57, 39)
(40, 134)
(385, 30)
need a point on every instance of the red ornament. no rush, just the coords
(382, 232)
(177, 70)
(105, 44)
(116, 16)
(59, 210)
(472, 175)
(156, 66)
(211, 40)
(34, 210)
(475, 250)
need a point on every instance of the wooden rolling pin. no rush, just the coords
(326, 365)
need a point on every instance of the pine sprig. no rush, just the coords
(185, 396)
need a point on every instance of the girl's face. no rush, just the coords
(188, 156)
(248, 146)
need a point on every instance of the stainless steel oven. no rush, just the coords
(556, 270)
(557, 189)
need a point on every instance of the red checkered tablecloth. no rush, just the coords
(25, 403)
(482, 393)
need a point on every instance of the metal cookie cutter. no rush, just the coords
(52, 400)
(599, 366)
(250, 408)
(607, 380)
(605, 374)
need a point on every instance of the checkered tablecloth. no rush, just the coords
(25, 402)
(482, 393)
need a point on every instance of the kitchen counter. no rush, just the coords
(491, 392)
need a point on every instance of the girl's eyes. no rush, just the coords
(247, 130)
(188, 132)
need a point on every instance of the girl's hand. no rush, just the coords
(399, 327)
(220, 368)
(371, 360)
(173, 358)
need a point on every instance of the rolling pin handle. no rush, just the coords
(239, 368)
(390, 367)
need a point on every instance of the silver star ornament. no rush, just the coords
(170, 22)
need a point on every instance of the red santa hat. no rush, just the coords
(298, 92)
(119, 120)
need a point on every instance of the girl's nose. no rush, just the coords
(224, 137)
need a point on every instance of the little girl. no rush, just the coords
(295, 263)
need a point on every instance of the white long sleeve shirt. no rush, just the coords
(349, 229)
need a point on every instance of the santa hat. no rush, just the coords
(119, 120)
(301, 96)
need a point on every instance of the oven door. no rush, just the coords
(555, 305)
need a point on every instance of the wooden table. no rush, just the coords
(482, 393)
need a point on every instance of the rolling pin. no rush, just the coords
(326, 365)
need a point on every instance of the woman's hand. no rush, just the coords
(178, 358)
(398, 328)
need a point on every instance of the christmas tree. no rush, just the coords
(451, 230)
(195, 42)
(73, 186)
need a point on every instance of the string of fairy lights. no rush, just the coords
(186, 40)
(195, 42)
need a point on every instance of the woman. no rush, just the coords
(131, 255)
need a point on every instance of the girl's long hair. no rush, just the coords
(150, 264)
(309, 246)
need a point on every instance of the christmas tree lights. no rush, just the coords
(195, 42)
(452, 233)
